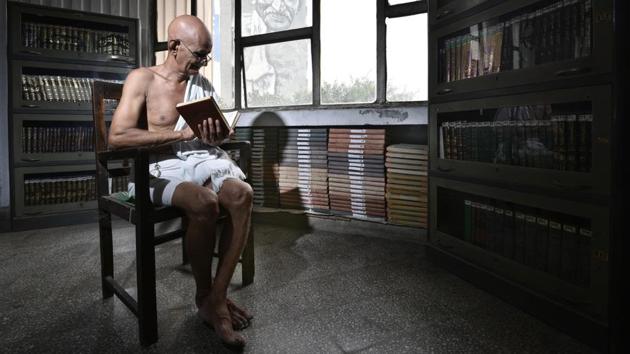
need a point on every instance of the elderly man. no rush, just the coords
(192, 174)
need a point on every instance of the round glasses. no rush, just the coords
(204, 58)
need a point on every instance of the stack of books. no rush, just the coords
(407, 184)
(264, 174)
(303, 171)
(356, 173)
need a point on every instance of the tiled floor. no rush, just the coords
(314, 292)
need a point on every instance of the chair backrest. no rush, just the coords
(108, 178)
(101, 91)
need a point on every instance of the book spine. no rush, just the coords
(571, 143)
(474, 208)
(586, 33)
(530, 240)
(490, 223)
(497, 47)
(554, 254)
(542, 241)
(508, 233)
(449, 60)
(584, 142)
(519, 237)
(584, 273)
(467, 220)
(499, 229)
(569, 253)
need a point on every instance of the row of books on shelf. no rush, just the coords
(58, 88)
(562, 143)
(74, 39)
(57, 139)
(556, 244)
(548, 32)
(60, 190)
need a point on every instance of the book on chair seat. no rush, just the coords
(195, 112)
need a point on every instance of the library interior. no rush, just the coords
(313, 176)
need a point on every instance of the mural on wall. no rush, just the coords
(280, 73)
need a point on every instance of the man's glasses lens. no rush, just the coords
(201, 57)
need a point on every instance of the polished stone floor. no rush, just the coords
(314, 292)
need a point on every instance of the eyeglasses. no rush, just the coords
(204, 58)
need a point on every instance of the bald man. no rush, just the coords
(194, 174)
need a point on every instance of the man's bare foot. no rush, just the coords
(234, 308)
(240, 317)
(218, 317)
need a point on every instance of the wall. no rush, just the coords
(127, 8)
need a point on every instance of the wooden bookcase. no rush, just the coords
(520, 125)
(53, 56)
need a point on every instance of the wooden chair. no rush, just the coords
(143, 214)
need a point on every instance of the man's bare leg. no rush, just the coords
(240, 317)
(202, 209)
(236, 197)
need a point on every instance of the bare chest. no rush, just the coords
(161, 101)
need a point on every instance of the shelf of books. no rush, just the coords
(49, 139)
(520, 153)
(557, 247)
(542, 139)
(526, 42)
(54, 86)
(58, 189)
(61, 34)
(54, 57)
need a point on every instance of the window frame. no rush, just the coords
(383, 12)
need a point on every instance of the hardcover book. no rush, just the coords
(195, 112)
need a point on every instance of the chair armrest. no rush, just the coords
(130, 152)
(140, 157)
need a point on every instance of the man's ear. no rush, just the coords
(172, 45)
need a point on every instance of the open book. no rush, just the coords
(195, 112)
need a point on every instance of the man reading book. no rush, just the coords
(193, 174)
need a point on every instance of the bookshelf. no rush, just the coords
(520, 123)
(54, 55)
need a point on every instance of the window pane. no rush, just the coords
(279, 74)
(348, 51)
(218, 17)
(407, 58)
(266, 16)
(160, 57)
(167, 10)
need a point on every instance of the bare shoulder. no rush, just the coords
(139, 79)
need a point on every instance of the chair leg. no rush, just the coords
(248, 266)
(145, 263)
(107, 251)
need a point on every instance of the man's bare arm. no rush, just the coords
(124, 131)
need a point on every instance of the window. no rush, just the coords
(407, 65)
(348, 59)
(270, 53)
(279, 74)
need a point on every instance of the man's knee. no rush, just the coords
(204, 206)
(239, 195)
